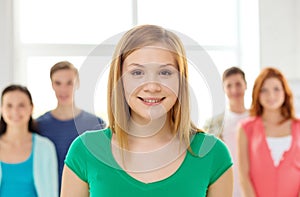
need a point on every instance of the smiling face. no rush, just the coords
(63, 84)
(151, 83)
(271, 95)
(235, 87)
(16, 108)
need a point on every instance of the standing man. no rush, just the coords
(64, 123)
(225, 125)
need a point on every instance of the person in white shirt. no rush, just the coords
(225, 125)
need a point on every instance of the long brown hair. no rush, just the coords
(287, 108)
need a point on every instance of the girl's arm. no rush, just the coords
(243, 165)
(223, 186)
(72, 185)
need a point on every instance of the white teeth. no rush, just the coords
(152, 100)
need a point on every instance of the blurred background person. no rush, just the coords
(225, 125)
(269, 141)
(28, 163)
(64, 123)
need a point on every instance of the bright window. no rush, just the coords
(70, 22)
(56, 30)
(210, 23)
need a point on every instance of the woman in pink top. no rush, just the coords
(269, 141)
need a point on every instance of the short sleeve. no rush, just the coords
(102, 123)
(76, 158)
(221, 161)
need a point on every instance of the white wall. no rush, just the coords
(249, 39)
(279, 36)
(6, 43)
(298, 37)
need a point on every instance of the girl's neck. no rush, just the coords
(146, 137)
(273, 117)
(16, 135)
(149, 147)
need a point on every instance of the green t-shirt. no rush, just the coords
(90, 158)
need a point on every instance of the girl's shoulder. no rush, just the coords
(204, 143)
(250, 121)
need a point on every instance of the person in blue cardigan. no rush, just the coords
(64, 123)
(28, 163)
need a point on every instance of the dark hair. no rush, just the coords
(233, 71)
(32, 126)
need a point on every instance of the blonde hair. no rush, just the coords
(118, 109)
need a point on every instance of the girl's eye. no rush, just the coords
(277, 89)
(166, 72)
(137, 72)
(70, 83)
(263, 90)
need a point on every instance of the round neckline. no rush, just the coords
(235, 114)
(144, 185)
(67, 120)
(158, 183)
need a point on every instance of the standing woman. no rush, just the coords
(151, 148)
(269, 141)
(28, 164)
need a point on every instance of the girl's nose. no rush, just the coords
(152, 87)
